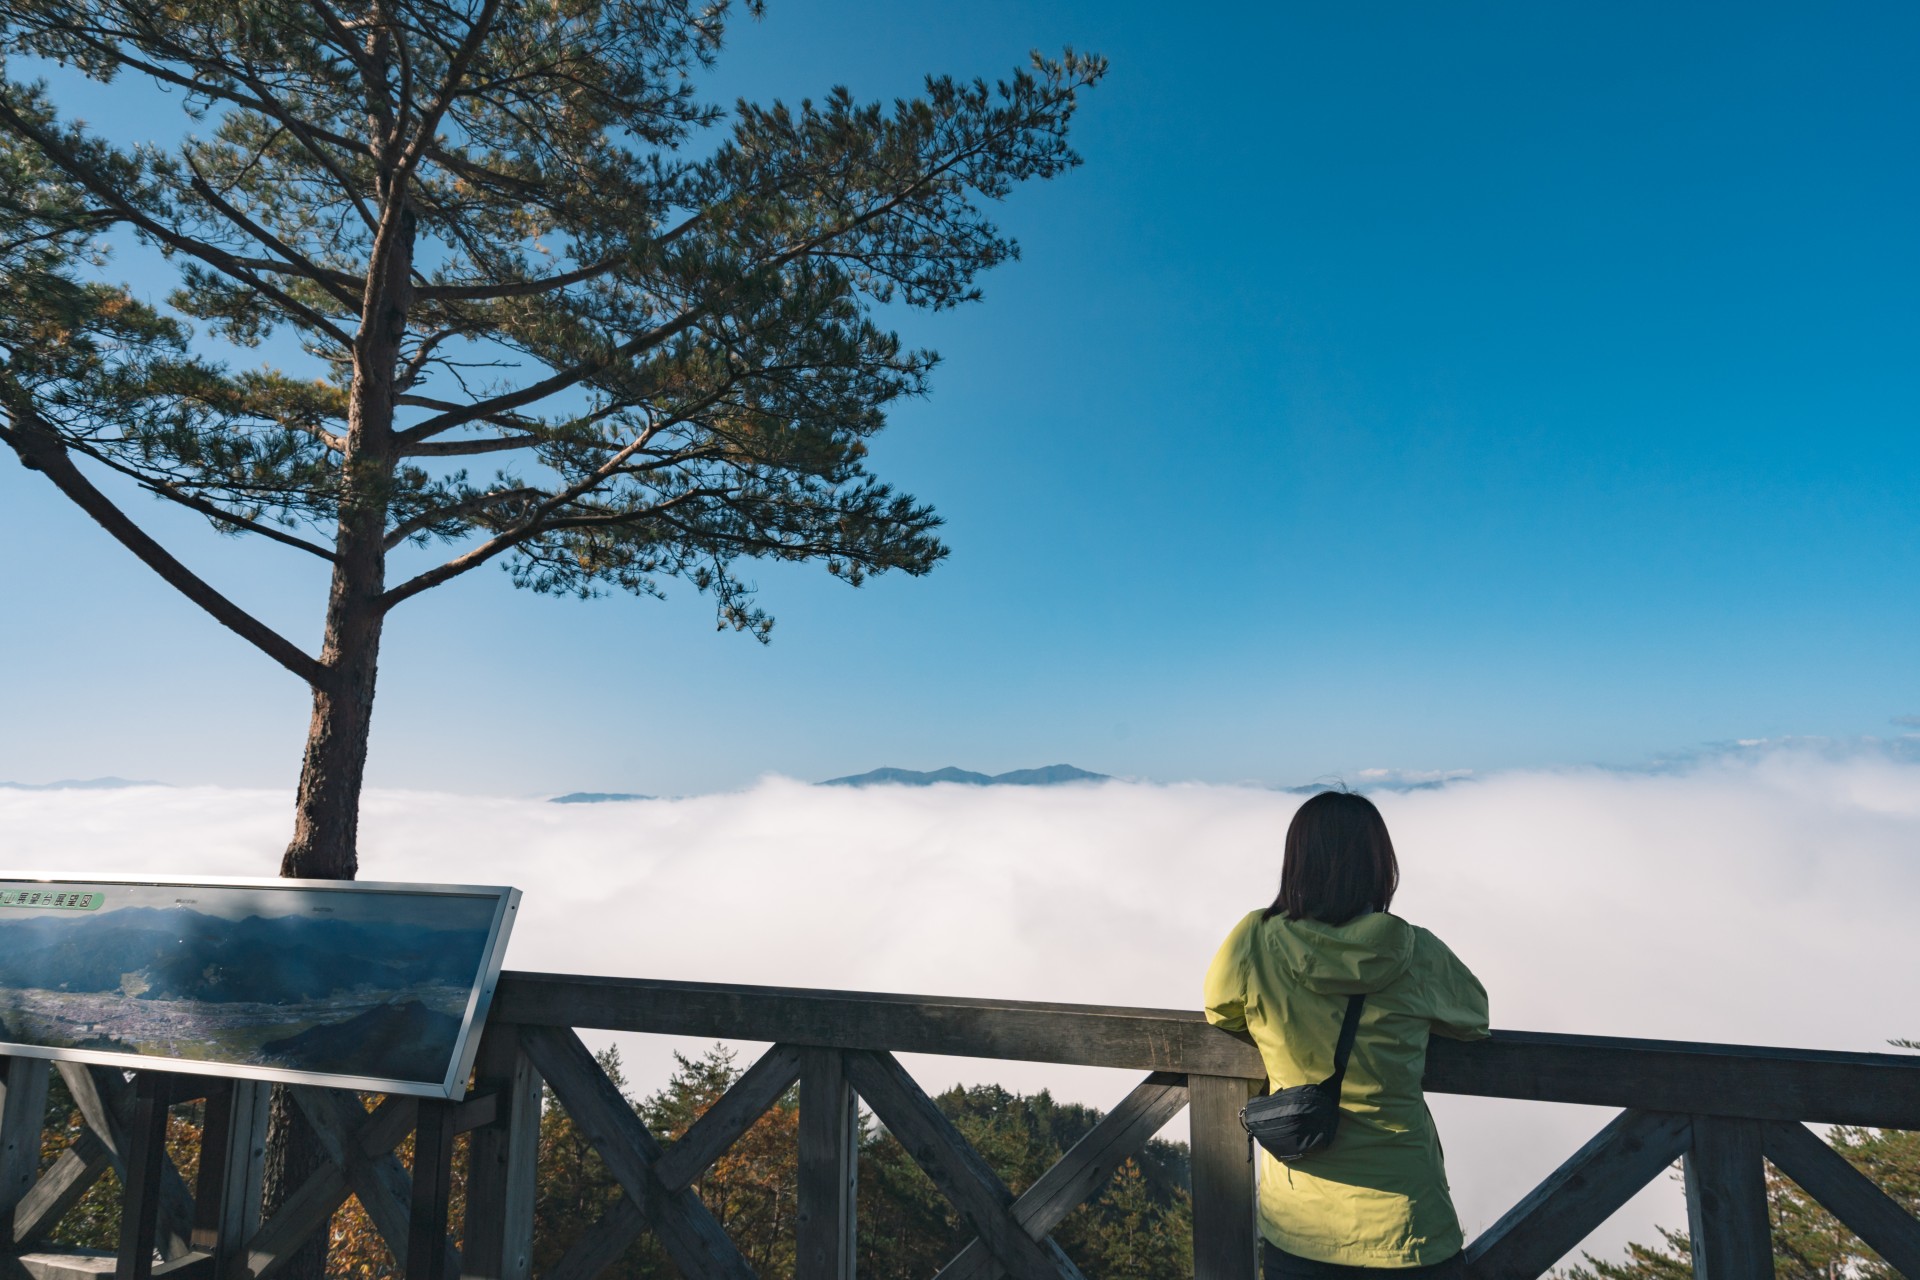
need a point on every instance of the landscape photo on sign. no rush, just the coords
(323, 981)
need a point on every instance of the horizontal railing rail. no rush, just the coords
(1810, 1085)
(1724, 1111)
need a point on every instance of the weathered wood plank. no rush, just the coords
(947, 1158)
(431, 1194)
(722, 1124)
(86, 1264)
(1823, 1173)
(601, 1244)
(478, 1110)
(501, 1160)
(1226, 1239)
(209, 1182)
(23, 1115)
(237, 1196)
(106, 1103)
(1082, 1170)
(1577, 1197)
(1147, 1039)
(697, 1244)
(144, 1153)
(1727, 1201)
(64, 1264)
(829, 1148)
(1655, 1075)
(60, 1188)
(95, 1112)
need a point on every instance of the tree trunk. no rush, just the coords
(327, 807)
(294, 1154)
(327, 813)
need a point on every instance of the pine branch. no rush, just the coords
(193, 502)
(105, 191)
(528, 528)
(456, 72)
(513, 288)
(453, 511)
(482, 410)
(640, 343)
(466, 448)
(337, 283)
(39, 449)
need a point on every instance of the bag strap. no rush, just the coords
(1349, 1029)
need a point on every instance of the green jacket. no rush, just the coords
(1378, 1196)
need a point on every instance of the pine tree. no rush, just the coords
(1137, 1235)
(485, 233)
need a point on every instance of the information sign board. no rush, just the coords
(380, 987)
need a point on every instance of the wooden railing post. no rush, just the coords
(233, 1152)
(502, 1160)
(431, 1192)
(829, 1146)
(1727, 1201)
(1226, 1240)
(144, 1157)
(23, 1114)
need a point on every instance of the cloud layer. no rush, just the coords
(1765, 897)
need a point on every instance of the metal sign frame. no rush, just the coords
(466, 1042)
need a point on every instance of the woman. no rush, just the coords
(1376, 1200)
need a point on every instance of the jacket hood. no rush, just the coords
(1363, 955)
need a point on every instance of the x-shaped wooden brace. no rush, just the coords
(359, 1162)
(1633, 1150)
(1012, 1236)
(1082, 1171)
(106, 1102)
(657, 1181)
(706, 1140)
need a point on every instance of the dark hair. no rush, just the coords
(1339, 862)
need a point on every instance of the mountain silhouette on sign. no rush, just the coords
(176, 953)
(406, 1041)
(1047, 776)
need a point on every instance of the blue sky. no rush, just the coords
(1395, 386)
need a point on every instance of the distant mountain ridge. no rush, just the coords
(1051, 775)
(1368, 780)
(597, 797)
(78, 784)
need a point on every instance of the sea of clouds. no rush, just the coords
(1764, 895)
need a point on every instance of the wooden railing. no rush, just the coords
(1722, 1110)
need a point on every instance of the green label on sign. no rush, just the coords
(58, 899)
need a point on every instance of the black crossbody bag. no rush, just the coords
(1299, 1121)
